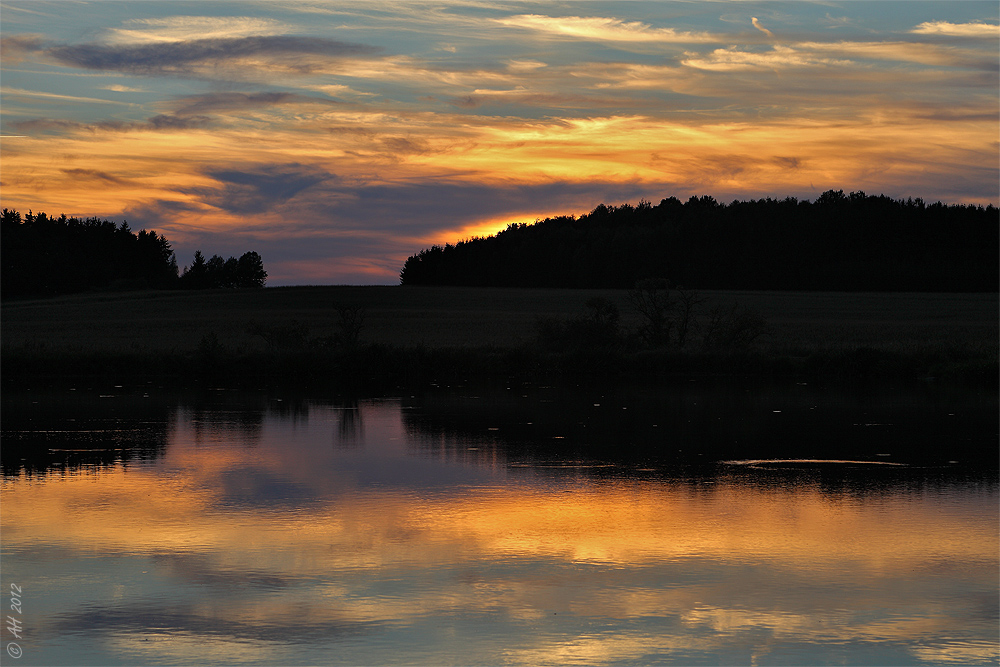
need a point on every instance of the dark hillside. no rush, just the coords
(839, 242)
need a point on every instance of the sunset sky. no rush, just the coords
(337, 138)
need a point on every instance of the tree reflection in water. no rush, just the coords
(521, 526)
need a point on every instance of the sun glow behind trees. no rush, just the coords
(840, 242)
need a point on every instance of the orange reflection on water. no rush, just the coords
(618, 522)
(659, 567)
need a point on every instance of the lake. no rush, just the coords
(702, 522)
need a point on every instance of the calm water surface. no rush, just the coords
(696, 524)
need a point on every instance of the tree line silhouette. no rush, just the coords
(247, 271)
(45, 256)
(840, 242)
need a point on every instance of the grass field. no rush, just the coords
(959, 326)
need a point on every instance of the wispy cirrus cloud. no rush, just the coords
(56, 97)
(101, 177)
(524, 98)
(839, 54)
(756, 24)
(777, 57)
(119, 88)
(975, 29)
(188, 28)
(933, 55)
(192, 112)
(16, 48)
(603, 29)
(164, 122)
(225, 102)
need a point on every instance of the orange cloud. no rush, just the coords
(757, 25)
(603, 29)
(975, 29)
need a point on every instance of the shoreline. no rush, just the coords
(413, 334)
(379, 365)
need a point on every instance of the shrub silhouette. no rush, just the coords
(651, 299)
(664, 320)
(281, 337)
(596, 331)
(351, 319)
(733, 328)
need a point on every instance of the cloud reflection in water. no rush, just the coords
(282, 545)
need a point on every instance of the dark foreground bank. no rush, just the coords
(384, 336)
(376, 367)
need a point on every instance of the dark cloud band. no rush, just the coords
(258, 190)
(220, 102)
(179, 57)
(165, 122)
